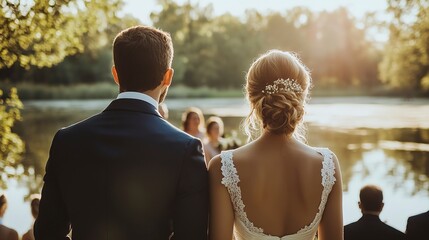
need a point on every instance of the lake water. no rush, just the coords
(383, 141)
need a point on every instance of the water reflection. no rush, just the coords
(395, 156)
(409, 160)
(408, 147)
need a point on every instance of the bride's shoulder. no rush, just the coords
(320, 154)
(214, 167)
(215, 163)
(329, 158)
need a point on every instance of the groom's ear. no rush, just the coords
(168, 77)
(115, 75)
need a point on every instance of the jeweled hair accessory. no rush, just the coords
(281, 84)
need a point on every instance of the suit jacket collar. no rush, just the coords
(370, 217)
(133, 105)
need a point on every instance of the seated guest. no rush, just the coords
(193, 122)
(5, 232)
(35, 212)
(369, 226)
(213, 141)
(418, 227)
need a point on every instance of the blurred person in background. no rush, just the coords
(213, 141)
(5, 232)
(35, 201)
(193, 122)
(163, 110)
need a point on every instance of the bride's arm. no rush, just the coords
(221, 209)
(331, 225)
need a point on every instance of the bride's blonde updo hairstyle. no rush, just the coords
(280, 111)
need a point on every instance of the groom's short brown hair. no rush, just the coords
(141, 56)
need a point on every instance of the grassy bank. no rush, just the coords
(29, 91)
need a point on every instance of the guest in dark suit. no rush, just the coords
(418, 227)
(5, 232)
(369, 226)
(127, 173)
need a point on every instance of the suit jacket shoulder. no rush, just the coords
(7, 233)
(417, 226)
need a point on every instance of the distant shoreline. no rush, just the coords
(104, 90)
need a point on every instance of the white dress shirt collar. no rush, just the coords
(139, 96)
(1, 221)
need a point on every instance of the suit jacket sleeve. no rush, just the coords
(52, 222)
(191, 209)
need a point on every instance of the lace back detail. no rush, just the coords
(328, 180)
(230, 180)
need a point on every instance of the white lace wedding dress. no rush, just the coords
(244, 228)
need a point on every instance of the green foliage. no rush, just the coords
(109, 90)
(11, 145)
(216, 51)
(76, 91)
(42, 32)
(405, 64)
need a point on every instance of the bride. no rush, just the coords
(276, 187)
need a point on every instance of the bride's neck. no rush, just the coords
(277, 137)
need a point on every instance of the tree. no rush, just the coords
(405, 64)
(42, 32)
(11, 145)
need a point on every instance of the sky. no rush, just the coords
(141, 9)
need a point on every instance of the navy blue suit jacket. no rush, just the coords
(418, 227)
(125, 173)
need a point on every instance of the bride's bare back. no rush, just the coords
(280, 182)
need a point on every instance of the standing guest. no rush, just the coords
(35, 212)
(369, 226)
(193, 122)
(418, 227)
(163, 110)
(212, 143)
(5, 232)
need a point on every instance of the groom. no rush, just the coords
(126, 173)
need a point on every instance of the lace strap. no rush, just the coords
(328, 170)
(230, 180)
(328, 180)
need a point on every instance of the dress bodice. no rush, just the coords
(244, 229)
